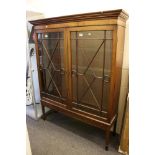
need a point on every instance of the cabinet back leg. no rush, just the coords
(107, 138)
(43, 111)
(114, 129)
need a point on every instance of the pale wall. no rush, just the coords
(30, 15)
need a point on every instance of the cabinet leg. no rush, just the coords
(114, 130)
(107, 137)
(43, 111)
(55, 111)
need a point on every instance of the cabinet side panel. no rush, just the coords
(118, 66)
(118, 48)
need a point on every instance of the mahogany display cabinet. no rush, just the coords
(79, 59)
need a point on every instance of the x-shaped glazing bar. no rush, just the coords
(48, 55)
(53, 53)
(54, 83)
(94, 56)
(91, 92)
(87, 89)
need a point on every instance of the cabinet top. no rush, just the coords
(112, 14)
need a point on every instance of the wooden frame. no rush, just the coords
(114, 21)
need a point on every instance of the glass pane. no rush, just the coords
(91, 68)
(51, 47)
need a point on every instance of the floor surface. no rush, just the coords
(61, 135)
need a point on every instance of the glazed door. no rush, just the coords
(91, 54)
(51, 51)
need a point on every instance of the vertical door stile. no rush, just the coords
(103, 70)
(44, 82)
(60, 64)
(69, 58)
(66, 63)
(112, 83)
(43, 69)
(59, 53)
(77, 68)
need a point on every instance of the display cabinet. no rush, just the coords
(79, 60)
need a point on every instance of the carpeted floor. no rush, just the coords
(61, 135)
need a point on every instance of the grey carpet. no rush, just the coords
(61, 135)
